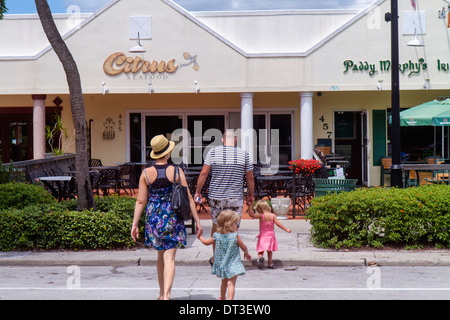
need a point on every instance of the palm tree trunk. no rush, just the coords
(84, 190)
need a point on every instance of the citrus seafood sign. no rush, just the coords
(118, 63)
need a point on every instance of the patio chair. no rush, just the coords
(95, 163)
(33, 175)
(71, 191)
(109, 179)
(57, 171)
(386, 163)
(49, 172)
(94, 177)
(125, 180)
(261, 190)
(301, 191)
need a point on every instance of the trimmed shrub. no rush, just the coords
(59, 226)
(379, 216)
(20, 195)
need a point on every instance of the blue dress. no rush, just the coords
(227, 258)
(163, 230)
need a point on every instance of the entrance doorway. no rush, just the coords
(351, 141)
(273, 138)
(16, 142)
(202, 131)
(155, 125)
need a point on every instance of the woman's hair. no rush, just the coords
(225, 220)
(262, 206)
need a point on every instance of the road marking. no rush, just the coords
(215, 289)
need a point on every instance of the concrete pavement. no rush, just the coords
(294, 249)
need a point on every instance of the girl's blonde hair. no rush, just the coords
(225, 220)
(262, 206)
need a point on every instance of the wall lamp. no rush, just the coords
(150, 87)
(105, 89)
(380, 85)
(196, 87)
(138, 48)
(441, 14)
(415, 42)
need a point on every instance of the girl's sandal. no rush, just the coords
(260, 262)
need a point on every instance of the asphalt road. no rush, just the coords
(196, 283)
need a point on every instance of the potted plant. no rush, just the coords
(58, 131)
(305, 167)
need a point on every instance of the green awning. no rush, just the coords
(423, 114)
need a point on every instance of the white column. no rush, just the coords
(38, 126)
(247, 123)
(306, 125)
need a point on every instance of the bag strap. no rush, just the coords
(175, 172)
(145, 171)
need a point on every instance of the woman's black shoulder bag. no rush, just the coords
(180, 198)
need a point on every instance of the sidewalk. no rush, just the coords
(294, 249)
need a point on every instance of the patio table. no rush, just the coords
(58, 186)
(427, 173)
(276, 185)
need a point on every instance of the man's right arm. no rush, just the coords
(201, 180)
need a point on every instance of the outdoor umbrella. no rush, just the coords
(442, 119)
(432, 113)
(422, 115)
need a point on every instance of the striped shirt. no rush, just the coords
(228, 167)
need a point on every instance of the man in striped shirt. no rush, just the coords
(228, 165)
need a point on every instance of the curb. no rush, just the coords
(284, 262)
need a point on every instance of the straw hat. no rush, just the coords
(160, 146)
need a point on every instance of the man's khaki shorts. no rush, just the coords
(217, 206)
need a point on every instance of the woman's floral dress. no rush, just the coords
(163, 230)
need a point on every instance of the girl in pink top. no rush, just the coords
(266, 239)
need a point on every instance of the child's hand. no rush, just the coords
(288, 230)
(247, 257)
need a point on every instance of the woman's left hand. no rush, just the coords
(199, 229)
(135, 233)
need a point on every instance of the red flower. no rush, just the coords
(304, 166)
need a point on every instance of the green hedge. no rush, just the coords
(48, 225)
(31, 228)
(376, 217)
(19, 195)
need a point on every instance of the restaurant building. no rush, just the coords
(289, 79)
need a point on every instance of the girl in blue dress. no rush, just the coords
(227, 259)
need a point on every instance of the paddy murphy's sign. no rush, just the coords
(119, 63)
(411, 67)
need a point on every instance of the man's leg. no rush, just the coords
(215, 208)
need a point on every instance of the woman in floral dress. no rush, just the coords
(163, 230)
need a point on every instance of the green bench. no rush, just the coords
(323, 186)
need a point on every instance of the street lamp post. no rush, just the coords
(396, 167)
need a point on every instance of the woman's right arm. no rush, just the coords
(141, 201)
